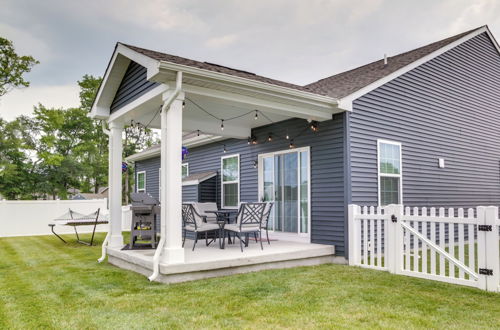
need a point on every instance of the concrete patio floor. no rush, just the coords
(211, 261)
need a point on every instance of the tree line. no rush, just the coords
(46, 154)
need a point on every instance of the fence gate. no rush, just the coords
(450, 245)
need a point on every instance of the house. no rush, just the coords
(419, 128)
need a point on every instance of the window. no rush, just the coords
(230, 169)
(185, 170)
(141, 181)
(389, 173)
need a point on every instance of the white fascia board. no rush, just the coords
(153, 152)
(345, 103)
(223, 77)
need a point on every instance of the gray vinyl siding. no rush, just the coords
(133, 85)
(446, 108)
(152, 168)
(327, 170)
(190, 193)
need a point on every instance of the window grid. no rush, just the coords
(390, 190)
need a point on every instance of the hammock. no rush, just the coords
(74, 219)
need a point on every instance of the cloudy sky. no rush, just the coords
(297, 41)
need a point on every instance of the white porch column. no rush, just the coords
(171, 180)
(115, 184)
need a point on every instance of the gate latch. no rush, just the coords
(486, 271)
(394, 218)
(484, 228)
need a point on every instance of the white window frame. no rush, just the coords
(400, 175)
(300, 237)
(187, 168)
(137, 182)
(159, 183)
(228, 182)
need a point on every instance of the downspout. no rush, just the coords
(159, 248)
(105, 243)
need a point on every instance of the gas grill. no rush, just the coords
(144, 209)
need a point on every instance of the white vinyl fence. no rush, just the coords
(450, 245)
(28, 218)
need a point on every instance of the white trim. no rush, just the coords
(229, 182)
(164, 65)
(400, 175)
(187, 169)
(283, 235)
(137, 182)
(196, 182)
(345, 103)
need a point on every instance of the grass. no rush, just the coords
(46, 284)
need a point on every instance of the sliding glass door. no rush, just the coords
(284, 180)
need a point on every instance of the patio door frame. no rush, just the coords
(301, 237)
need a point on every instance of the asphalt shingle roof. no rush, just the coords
(348, 82)
(212, 67)
(336, 86)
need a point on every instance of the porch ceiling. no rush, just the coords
(203, 112)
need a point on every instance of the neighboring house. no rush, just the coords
(419, 128)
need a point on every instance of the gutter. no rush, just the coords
(106, 240)
(159, 248)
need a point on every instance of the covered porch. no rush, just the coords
(193, 104)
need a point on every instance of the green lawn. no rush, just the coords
(46, 284)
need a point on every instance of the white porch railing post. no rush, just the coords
(491, 248)
(394, 233)
(354, 234)
(171, 180)
(115, 184)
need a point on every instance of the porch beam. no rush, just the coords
(171, 180)
(115, 184)
(306, 111)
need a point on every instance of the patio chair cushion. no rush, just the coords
(243, 229)
(201, 208)
(202, 228)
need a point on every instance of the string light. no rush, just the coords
(292, 145)
(270, 137)
(225, 150)
(198, 133)
(222, 125)
(314, 126)
(255, 163)
(183, 104)
(256, 114)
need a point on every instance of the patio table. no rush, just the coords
(224, 216)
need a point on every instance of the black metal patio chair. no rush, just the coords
(265, 219)
(248, 222)
(193, 222)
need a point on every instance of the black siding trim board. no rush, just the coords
(327, 171)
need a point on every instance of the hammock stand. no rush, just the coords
(75, 219)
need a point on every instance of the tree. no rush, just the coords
(13, 67)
